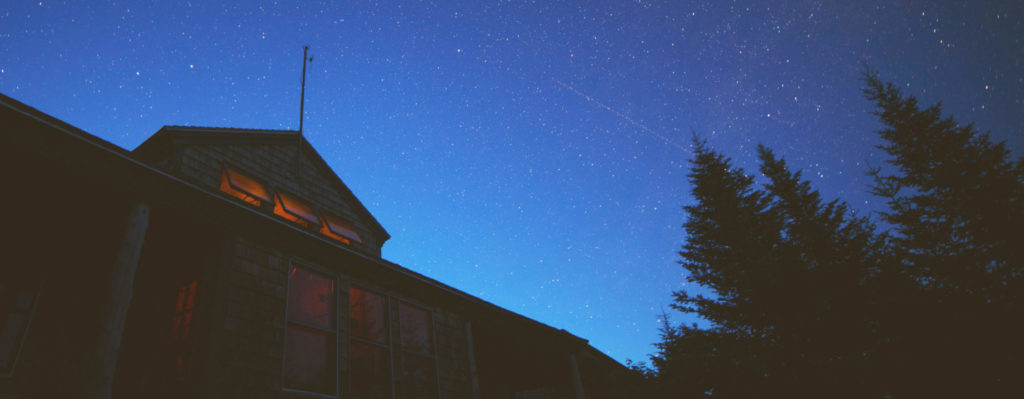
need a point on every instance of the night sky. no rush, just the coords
(530, 153)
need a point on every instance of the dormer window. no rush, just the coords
(243, 187)
(299, 211)
(295, 210)
(339, 230)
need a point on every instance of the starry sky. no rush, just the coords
(532, 153)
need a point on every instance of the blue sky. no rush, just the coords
(530, 153)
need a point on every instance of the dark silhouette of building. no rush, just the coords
(234, 263)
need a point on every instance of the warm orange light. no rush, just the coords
(339, 230)
(182, 324)
(327, 232)
(294, 210)
(183, 311)
(191, 295)
(243, 187)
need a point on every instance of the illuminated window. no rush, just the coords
(181, 325)
(243, 187)
(339, 230)
(292, 209)
(368, 347)
(418, 378)
(310, 356)
(16, 303)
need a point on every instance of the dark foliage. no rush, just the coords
(808, 299)
(955, 201)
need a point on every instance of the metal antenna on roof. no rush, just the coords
(302, 114)
(302, 95)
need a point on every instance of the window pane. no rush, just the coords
(418, 379)
(248, 185)
(243, 187)
(371, 377)
(191, 289)
(342, 229)
(180, 307)
(309, 360)
(366, 311)
(311, 298)
(415, 329)
(292, 209)
(182, 321)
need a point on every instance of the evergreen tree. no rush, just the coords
(836, 261)
(955, 204)
(789, 279)
(729, 226)
(807, 299)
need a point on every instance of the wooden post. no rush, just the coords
(472, 361)
(122, 279)
(577, 382)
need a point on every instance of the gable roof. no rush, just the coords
(171, 135)
(126, 167)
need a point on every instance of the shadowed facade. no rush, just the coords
(214, 262)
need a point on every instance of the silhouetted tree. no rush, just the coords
(807, 299)
(789, 287)
(955, 204)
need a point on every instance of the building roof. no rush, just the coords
(119, 159)
(169, 134)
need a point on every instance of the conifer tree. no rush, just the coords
(729, 227)
(789, 279)
(807, 299)
(828, 323)
(955, 204)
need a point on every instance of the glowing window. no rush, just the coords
(183, 312)
(243, 187)
(294, 210)
(339, 230)
(368, 347)
(181, 324)
(309, 358)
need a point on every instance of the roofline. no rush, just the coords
(19, 106)
(170, 130)
(125, 156)
(227, 129)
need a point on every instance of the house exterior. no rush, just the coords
(234, 263)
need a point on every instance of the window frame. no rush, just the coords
(336, 332)
(342, 335)
(182, 339)
(327, 220)
(402, 353)
(290, 214)
(388, 345)
(324, 221)
(225, 177)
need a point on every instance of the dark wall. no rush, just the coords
(61, 231)
(166, 335)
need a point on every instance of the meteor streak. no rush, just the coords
(623, 116)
